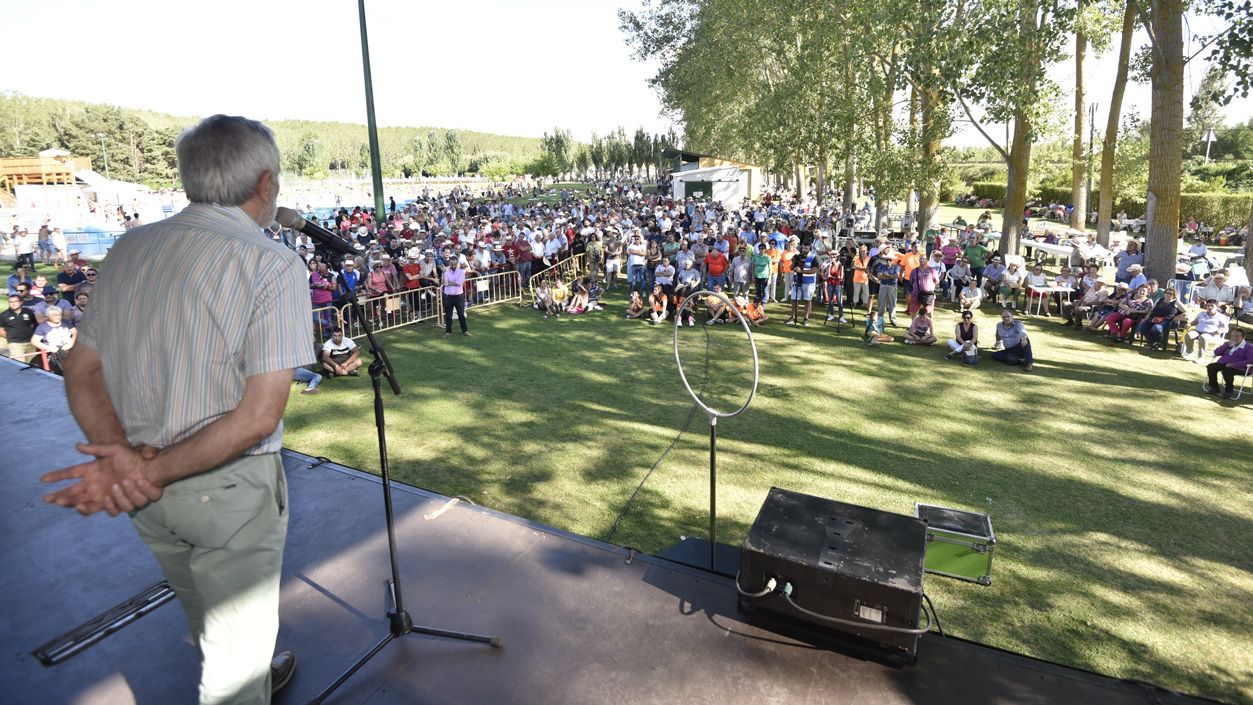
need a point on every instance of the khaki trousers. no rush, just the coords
(219, 538)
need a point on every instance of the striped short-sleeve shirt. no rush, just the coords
(185, 310)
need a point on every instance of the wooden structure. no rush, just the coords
(37, 171)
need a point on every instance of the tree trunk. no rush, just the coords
(1019, 164)
(1016, 184)
(850, 157)
(1248, 237)
(796, 170)
(822, 176)
(1105, 208)
(1165, 139)
(911, 201)
(1078, 190)
(929, 191)
(850, 178)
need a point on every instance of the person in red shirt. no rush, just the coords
(510, 248)
(411, 272)
(715, 268)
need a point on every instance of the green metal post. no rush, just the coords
(376, 168)
(105, 151)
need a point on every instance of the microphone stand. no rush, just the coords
(713, 493)
(400, 623)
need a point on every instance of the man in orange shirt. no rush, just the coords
(716, 268)
(908, 260)
(861, 278)
(785, 266)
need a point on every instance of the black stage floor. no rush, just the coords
(581, 623)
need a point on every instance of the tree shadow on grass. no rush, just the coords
(558, 424)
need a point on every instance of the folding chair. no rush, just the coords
(1244, 382)
(1164, 343)
(1184, 290)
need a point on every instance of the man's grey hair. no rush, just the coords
(221, 158)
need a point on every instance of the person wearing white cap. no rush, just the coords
(1137, 277)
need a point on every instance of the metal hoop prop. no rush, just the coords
(714, 414)
(678, 316)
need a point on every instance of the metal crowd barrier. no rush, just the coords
(566, 269)
(392, 311)
(411, 306)
(498, 288)
(324, 319)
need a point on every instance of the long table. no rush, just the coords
(1049, 249)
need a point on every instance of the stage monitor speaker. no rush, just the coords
(851, 570)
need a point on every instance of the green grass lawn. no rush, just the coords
(552, 193)
(1119, 494)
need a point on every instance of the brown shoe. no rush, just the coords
(282, 668)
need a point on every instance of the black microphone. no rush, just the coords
(289, 218)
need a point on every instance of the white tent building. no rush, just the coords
(728, 185)
(704, 176)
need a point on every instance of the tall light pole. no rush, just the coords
(376, 169)
(105, 152)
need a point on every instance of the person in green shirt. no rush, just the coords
(670, 249)
(978, 256)
(761, 270)
(931, 238)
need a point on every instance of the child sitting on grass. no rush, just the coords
(593, 294)
(578, 300)
(921, 330)
(635, 308)
(658, 304)
(874, 331)
(561, 295)
(718, 310)
(753, 312)
(544, 299)
(686, 315)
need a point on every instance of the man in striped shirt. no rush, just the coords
(179, 380)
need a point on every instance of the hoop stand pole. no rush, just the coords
(713, 492)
